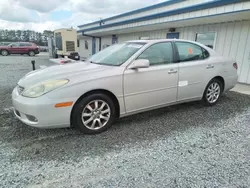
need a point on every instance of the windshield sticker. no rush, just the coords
(190, 50)
(134, 46)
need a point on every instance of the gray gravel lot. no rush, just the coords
(187, 145)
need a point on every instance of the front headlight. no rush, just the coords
(42, 88)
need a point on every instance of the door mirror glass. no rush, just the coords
(139, 63)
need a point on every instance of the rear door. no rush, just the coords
(195, 70)
(24, 47)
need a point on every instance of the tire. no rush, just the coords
(4, 53)
(31, 53)
(212, 92)
(91, 117)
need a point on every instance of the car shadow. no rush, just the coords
(62, 144)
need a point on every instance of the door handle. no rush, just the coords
(210, 66)
(172, 71)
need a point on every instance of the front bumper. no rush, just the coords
(41, 112)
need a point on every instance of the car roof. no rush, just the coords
(161, 40)
(211, 51)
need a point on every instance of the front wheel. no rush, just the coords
(94, 114)
(212, 92)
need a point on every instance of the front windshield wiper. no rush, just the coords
(102, 63)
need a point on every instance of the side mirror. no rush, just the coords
(139, 63)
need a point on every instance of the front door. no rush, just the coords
(154, 86)
(195, 70)
(15, 48)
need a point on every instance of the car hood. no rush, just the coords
(60, 72)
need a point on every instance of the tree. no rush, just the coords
(26, 36)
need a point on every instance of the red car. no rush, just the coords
(20, 48)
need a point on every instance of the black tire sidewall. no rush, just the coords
(205, 92)
(79, 106)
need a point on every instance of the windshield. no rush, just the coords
(117, 54)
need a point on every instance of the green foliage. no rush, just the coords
(26, 36)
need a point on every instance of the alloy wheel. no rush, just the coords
(96, 114)
(213, 92)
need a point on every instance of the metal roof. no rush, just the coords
(206, 5)
(170, 2)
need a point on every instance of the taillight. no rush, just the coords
(235, 66)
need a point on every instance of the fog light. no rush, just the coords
(31, 118)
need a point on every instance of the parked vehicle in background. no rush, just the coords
(5, 43)
(20, 48)
(74, 56)
(65, 41)
(43, 48)
(121, 80)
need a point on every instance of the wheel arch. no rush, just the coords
(5, 50)
(102, 91)
(222, 80)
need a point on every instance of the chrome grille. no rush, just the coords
(20, 89)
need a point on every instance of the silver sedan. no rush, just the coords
(121, 80)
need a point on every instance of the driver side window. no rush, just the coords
(158, 54)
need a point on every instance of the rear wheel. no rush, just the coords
(31, 53)
(212, 92)
(4, 52)
(94, 114)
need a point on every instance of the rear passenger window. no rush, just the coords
(25, 44)
(190, 52)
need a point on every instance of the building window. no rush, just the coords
(207, 39)
(86, 45)
(114, 39)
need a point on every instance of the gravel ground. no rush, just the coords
(187, 145)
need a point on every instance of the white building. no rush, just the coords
(222, 24)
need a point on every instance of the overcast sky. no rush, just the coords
(40, 15)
